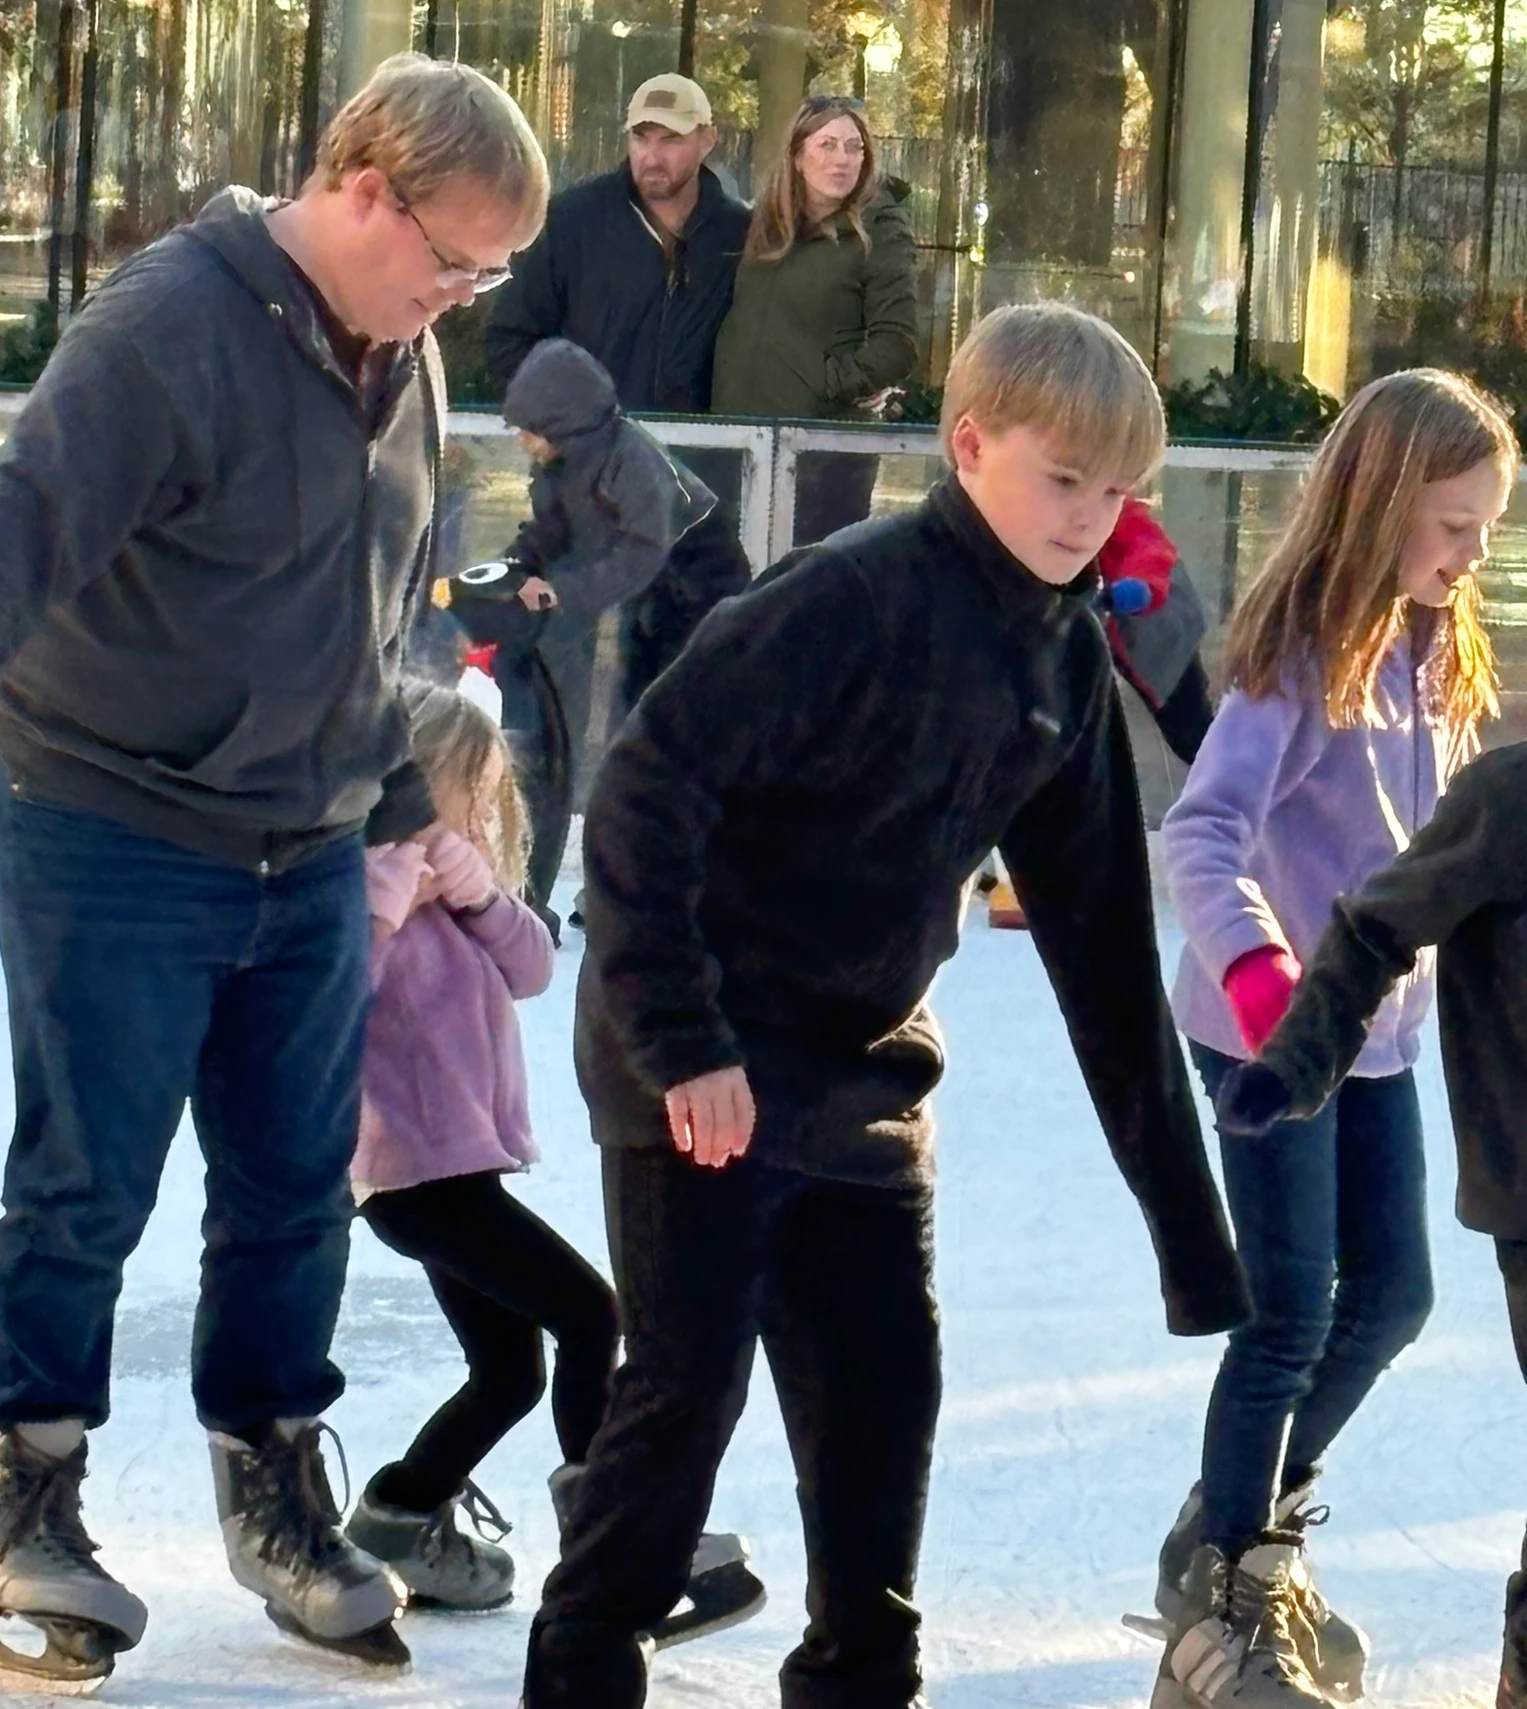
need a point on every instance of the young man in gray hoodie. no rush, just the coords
(220, 502)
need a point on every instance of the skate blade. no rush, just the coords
(74, 1661)
(724, 1597)
(1147, 1625)
(380, 1647)
(418, 1603)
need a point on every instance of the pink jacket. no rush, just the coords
(443, 1083)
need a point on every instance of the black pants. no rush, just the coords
(832, 490)
(544, 763)
(501, 1277)
(839, 1281)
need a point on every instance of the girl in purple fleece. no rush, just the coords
(444, 1116)
(1358, 671)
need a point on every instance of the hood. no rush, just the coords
(560, 392)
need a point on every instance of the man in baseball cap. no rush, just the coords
(677, 103)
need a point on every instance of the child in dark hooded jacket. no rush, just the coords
(608, 506)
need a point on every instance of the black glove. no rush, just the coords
(1251, 1101)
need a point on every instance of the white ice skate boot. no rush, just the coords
(49, 1575)
(1337, 1651)
(441, 1566)
(722, 1591)
(1238, 1639)
(282, 1532)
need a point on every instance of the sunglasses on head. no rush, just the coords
(833, 104)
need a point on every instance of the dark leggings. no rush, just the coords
(501, 1277)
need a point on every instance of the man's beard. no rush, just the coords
(662, 186)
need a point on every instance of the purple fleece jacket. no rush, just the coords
(1280, 815)
(443, 1084)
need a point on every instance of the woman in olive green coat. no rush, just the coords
(824, 313)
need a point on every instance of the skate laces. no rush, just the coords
(296, 1487)
(48, 1508)
(485, 1517)
(442, 1533)
(1270, 1611)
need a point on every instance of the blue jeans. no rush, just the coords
(140, 975)
(1330, 1222)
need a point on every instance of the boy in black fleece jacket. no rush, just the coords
(777, 855)
(1461, 886)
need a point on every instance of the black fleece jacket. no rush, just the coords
(1461, 885)
(211, 542)
(778, 847)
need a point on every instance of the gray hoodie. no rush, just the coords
(211, 546)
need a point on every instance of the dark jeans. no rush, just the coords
(1330, 1223)
(139, 975)
(839, 1281)
(501, 1277)
(832, 490)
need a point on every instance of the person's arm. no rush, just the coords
(1254, 753)
(888, 351)
(585, 585)
(517, 942)
(100, 451)
(1077, 857)
(766, 684)
(1472, 855)
(530, 306)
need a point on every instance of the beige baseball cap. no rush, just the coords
(671, 100)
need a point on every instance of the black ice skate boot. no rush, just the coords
(281, 1529)
(722, 1591)
(1336, 1651)
(49, 1576)
(1511, 1693)
(1240, 1640)
(441, 1566)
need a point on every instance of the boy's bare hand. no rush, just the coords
(537, 594)
(711, 1119)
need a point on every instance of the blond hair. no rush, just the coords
(454, 741)
(1068, 376)
(780, 219)
(1328, 602)
(422, 123)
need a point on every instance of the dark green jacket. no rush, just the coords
(824, 328)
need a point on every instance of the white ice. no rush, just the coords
(1069, 1431)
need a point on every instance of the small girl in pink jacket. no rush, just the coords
(444, 1115)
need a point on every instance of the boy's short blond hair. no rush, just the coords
(1067, 375)
(424, 122)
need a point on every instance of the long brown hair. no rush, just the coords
(454, 740)
(780, 219)
(1328, 601)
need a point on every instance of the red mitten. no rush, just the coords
(1139, 548)
(393, 873)
(1259, 987)
(466, 880)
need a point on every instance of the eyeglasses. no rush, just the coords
(452, 273)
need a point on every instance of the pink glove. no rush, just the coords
(393, 874)
(1259, 987)
(465, 878)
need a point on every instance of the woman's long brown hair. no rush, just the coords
(1328, 600)
(780, 217)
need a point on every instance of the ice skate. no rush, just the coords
(1239, 1639)
(722, 1591)
(1511, 1692)
(50, 1579)
(282, 1532)
(1336, 1652)
(441, 1566)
